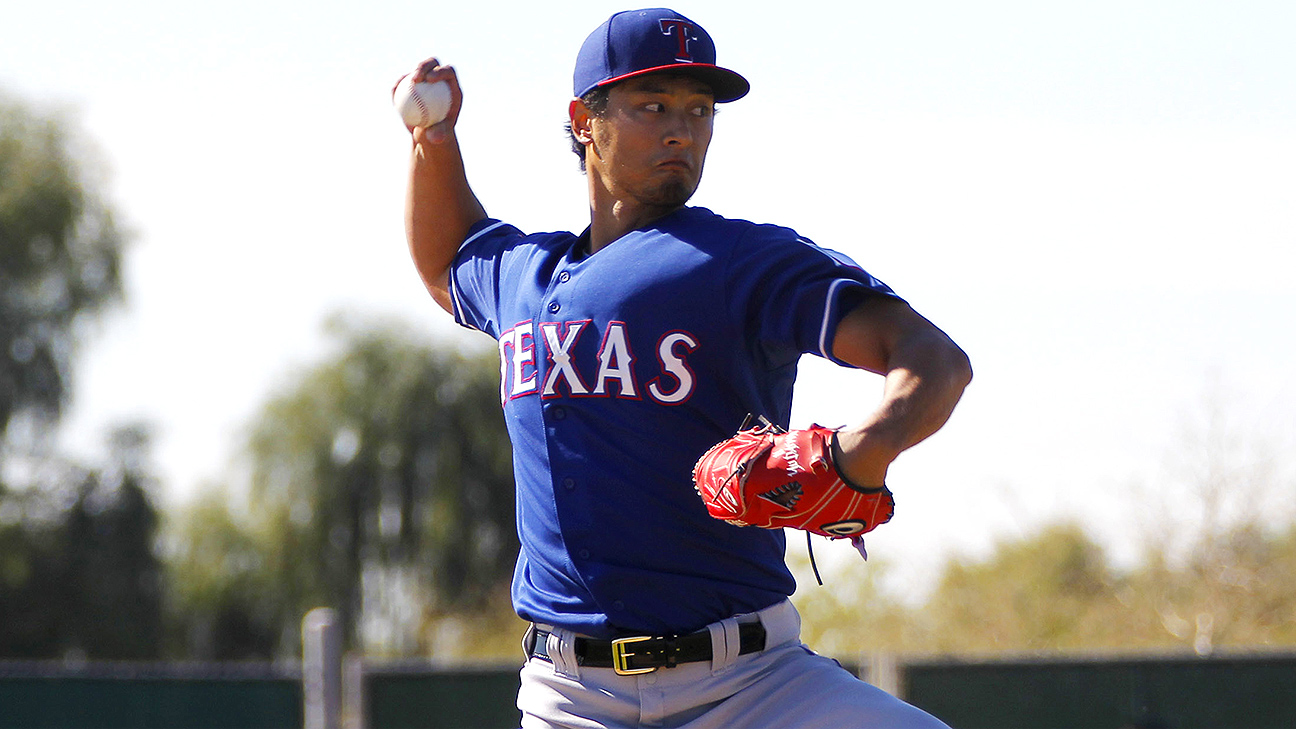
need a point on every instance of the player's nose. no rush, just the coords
(678, 131)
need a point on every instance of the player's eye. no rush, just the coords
(654, 106)
(702, 111)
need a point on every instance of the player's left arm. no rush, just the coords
(925, 371)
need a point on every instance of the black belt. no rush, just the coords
(645, 654)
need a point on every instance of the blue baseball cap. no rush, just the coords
(637, 42)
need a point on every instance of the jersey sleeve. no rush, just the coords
(790, 294)
(475, 275)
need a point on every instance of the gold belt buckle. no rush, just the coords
(619, 654)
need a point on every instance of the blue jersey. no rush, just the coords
(618, 370)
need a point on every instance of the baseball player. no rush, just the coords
(634, 348)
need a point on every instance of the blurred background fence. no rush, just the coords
(57, 695)
(1243, 690)
(1180, 691)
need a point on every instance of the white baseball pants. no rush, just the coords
(786, 686)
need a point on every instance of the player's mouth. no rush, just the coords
(680, 165)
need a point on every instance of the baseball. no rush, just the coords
(421, 104)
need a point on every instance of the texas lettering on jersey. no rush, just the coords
(542, 359)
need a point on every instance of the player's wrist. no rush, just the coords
(861, 459)
(838, 457)
(439, 139)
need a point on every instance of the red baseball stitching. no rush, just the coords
(422, 107)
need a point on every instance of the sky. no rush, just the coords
(1095, 200)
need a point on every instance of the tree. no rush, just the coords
(79, 574)
(60, 260)
(1217, 542)
(852, 612)
(223, 602)
(380, 484)
(1235, 590)
(1048, 592)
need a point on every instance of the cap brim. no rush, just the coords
(726, 85)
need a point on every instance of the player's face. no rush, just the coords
(651, 142)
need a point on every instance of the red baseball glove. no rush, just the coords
(771, 478)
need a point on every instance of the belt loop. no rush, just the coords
(528, 641)
(725, 644)
(562, 651)
(782, 623)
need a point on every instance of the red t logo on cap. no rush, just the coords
(683, 33)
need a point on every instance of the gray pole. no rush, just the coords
(322, 669)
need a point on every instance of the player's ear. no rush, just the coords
(580, 117)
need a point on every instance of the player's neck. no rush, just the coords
(606, 229)
(612, 217)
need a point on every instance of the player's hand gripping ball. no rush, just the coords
(421, 104)
(770, 478)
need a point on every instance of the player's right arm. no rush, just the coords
(440, 207)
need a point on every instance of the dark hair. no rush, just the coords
(596, 100)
